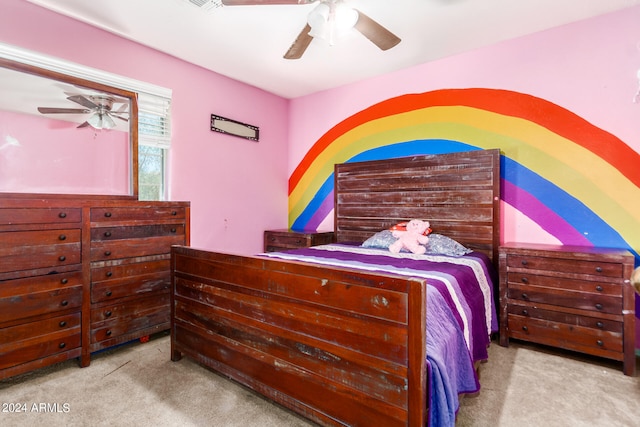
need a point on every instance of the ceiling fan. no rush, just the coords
(99, 106)
(328, 20)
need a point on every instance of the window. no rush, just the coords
(151, 167)
(154, 140)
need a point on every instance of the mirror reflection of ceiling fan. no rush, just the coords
(329, 20)
(99, 106)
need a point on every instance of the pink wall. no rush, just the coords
(237, 188)
(39, 155)
(588, 67)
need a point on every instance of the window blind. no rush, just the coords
(154, 121)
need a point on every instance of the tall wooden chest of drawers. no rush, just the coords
(78, 276)
(41, 285)
(575, 298)
(130, 276)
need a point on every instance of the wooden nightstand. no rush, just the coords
(282, 240)
(575, 298)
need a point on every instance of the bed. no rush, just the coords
(338, 344)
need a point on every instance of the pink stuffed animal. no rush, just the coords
(412, 239)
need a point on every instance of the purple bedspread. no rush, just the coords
(461, 312)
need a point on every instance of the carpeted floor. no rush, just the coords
(138, 385)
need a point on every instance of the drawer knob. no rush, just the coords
(107, 214)
(107, 234)
(524, 262)
(599, 324)
(525, 280)
(107, 313)
(62, 258)
(64, 281)
(599, 288)
(62, 324)
(525, 297)
(109, 274)
(107, 253)
(600, 343)
(62, 345)
(64, 303)
(62, 215)
(598, 306)
(173, 230)
(108, 333)
(599, 269)
(525, 312)
(525, 328)
(174, 213)
(62, 237)
(108, 293)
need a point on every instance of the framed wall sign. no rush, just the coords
(235, 128)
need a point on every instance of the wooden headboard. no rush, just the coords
(458, 193)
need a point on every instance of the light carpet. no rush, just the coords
(137, 385)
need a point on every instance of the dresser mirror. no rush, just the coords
(61, 134)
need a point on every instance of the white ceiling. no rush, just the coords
(247, 42)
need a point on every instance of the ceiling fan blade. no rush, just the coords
(124, 119)
(300, 44)
(50, 110)
(79, 99)
(122, 109)
(261, 2)
(375, 32)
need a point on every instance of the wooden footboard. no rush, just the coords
(338, 346)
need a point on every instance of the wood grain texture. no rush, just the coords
(458, 193)
(331, 344)
(575, 298)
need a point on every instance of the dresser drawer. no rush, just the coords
(571, 337)
(549, 313)
(140, 213)
(117, 249)
(25, 250)
(596, 286)
(110, 290)
(22, 298)
(113, 271)
(35, 340)
(118, 233)
(128, 308)
(573, 266)
(14, 216)
(566, 298)
(277, 240)
(142, 318)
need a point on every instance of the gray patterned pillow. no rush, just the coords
(437, 245)
(381, 240)
(443, 245)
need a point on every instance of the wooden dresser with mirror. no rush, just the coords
(85, 264)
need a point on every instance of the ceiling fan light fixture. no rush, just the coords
(330, 21)
(101, 121)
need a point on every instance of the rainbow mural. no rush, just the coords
(576, 181)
